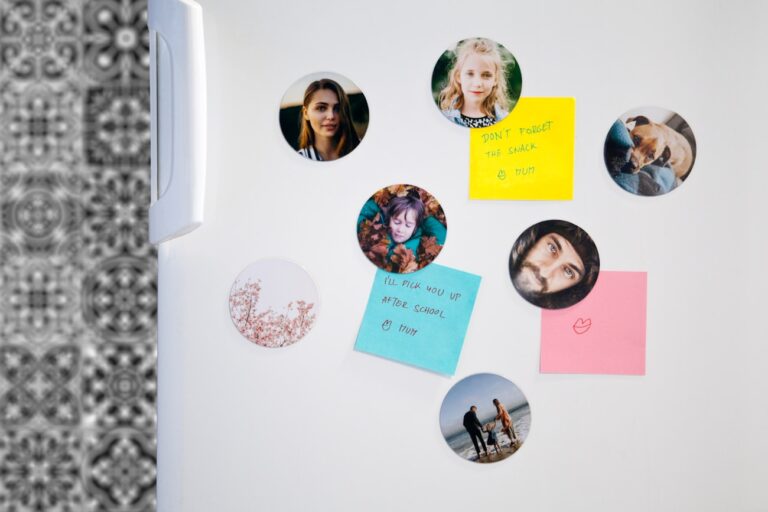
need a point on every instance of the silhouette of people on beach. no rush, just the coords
(493, 439)
(506, 423)
(474, 429)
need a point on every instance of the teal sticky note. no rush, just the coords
(419, 318)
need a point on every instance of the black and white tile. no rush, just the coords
(40, 39)
(40, 470)
(77, 275)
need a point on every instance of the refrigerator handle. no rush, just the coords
(178, 118)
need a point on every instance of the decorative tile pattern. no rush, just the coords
(121, 471)
(41, 216)
(40, 471)
(77, 274)
(117, 126)
(39, 39)
(116, 40)
(39, 386)
(116, 213)
(40, 301)
(119, 386)
(40, 126)
(120, 298)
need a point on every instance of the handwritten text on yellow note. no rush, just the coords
(527, 155)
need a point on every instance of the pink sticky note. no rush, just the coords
(604, 333)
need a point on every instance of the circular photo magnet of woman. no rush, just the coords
(554, 264)
(401, 228)
(273, 303)
(649, 151)
(485, 418)
(476, 83)
(323, 116)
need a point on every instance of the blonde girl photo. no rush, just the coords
(476, 83)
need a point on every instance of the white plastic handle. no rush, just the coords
(178, 118)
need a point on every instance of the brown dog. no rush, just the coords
(655, 142)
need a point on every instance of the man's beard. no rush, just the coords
(522, 281)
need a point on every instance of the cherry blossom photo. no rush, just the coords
(273, 303)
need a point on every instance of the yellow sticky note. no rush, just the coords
(527, 155)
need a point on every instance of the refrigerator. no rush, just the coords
(321, 426)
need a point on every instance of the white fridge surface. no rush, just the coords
(319, 426)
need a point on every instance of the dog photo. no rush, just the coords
(650, 151)
(485, 418)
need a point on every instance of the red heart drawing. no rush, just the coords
(581, 326)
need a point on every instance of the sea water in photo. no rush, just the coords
(461, 443)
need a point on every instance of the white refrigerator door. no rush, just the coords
(318, 426)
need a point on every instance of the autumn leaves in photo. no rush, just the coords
(401, 228)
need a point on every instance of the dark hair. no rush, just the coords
(400, 204)
(346, 137)
(583, 245)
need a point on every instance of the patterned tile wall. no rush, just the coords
(78, 280)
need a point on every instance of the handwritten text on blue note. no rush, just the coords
(419, 318)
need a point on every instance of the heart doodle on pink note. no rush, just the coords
(581, 326)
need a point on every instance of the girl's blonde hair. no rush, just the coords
(451, 96)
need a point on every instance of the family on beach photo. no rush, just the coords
(476, 83)
(324, 116)
(401, 228)
(485, 418)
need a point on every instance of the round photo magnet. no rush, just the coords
(273, 303)
(485, 418)
(650, 151)
(554, 264)
(476, 83)
(401, 228)
(323, 116)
